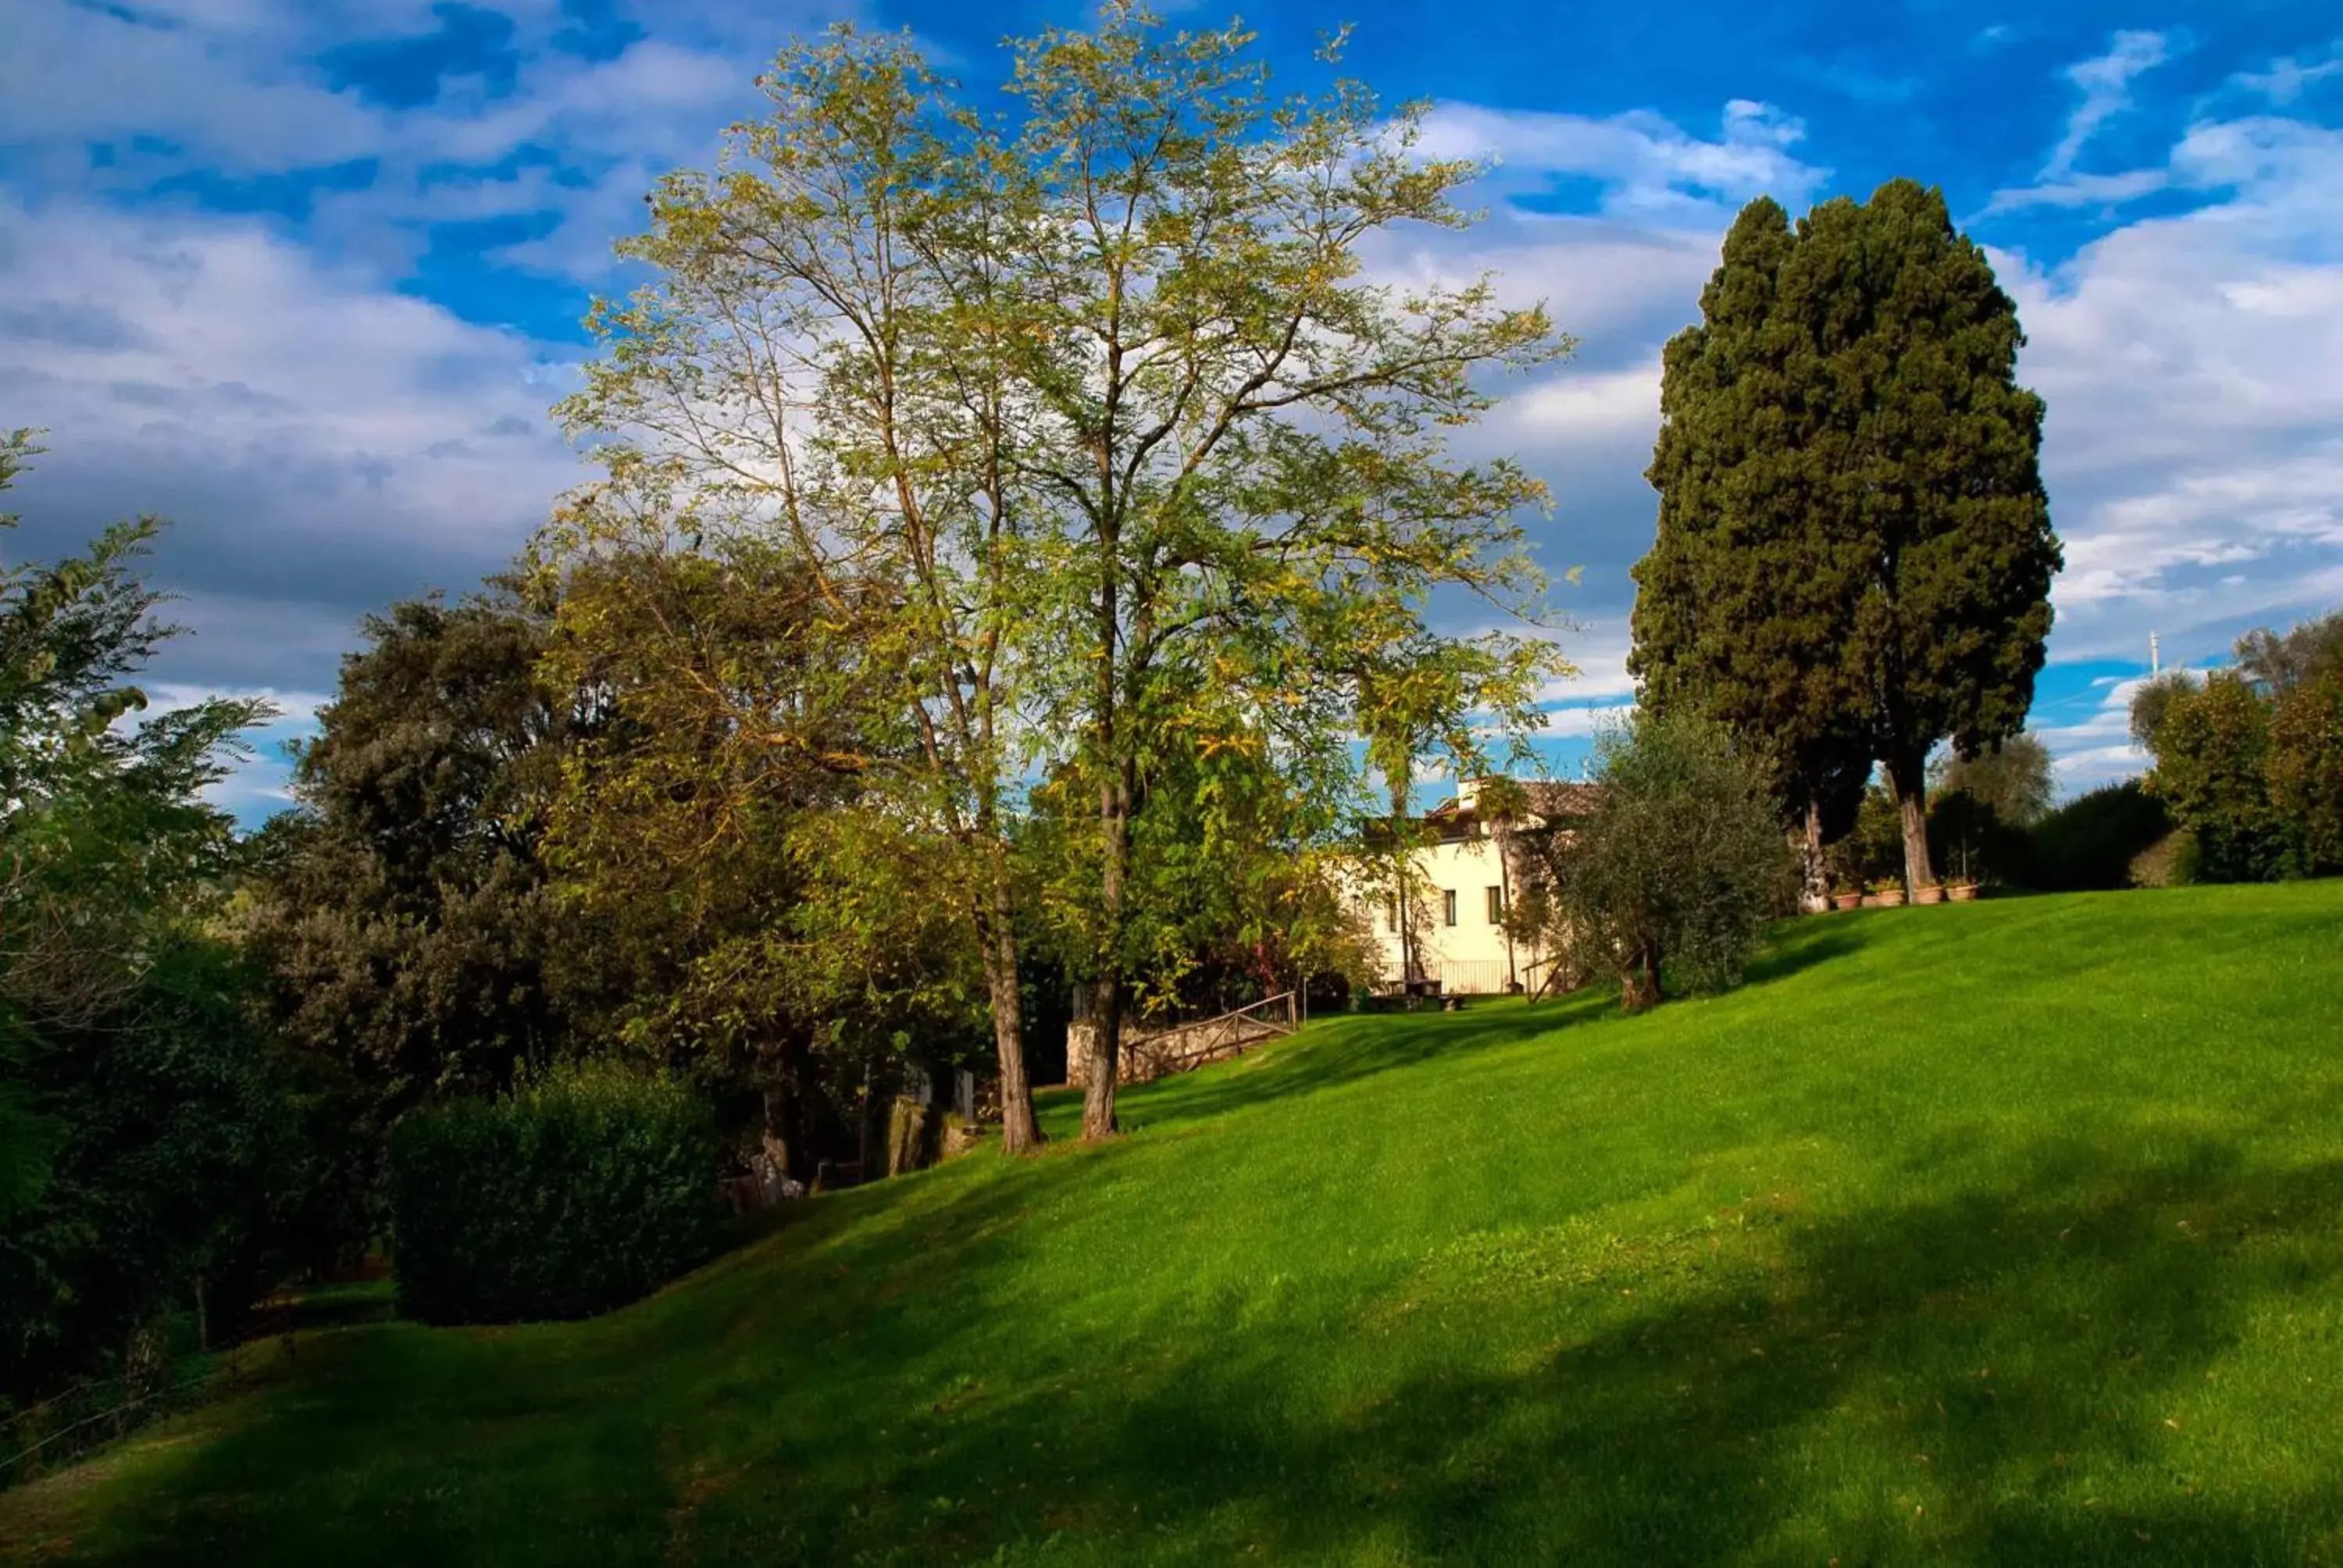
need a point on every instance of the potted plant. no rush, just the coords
(1928, 894)
(1845, 896)
(1961, 888)
(1887, 895)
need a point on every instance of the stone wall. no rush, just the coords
(1150, 1054)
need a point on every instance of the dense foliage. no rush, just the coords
(1669, 879)
(2250, 759)
(160, 1155)
(572, 1194)
(1745, 603)
(1240, 876)
(1855, 550)
(1980, 809)
(401, 912)
(2304, 766)
(2014, 779)
(768, 928)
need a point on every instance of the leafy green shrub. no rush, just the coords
(1677, 866)
(568, 1197)
(2212, 747)
(2169, 862)
(2306, 765)
(2090, 842)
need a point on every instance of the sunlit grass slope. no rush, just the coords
(1999, 1234)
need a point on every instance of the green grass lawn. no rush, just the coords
(2002, 1234)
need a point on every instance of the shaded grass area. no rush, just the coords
(1990, 1233)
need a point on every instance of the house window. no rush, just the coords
(1496, 905)
(1448, 913)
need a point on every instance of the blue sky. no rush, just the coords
(304, 276)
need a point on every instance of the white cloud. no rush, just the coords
(2193, 368)
(321, 443)
(2096, 749)
(1597, 647)
(2083, 191)
(1605, 407)
(2106, 83)
(2284, 81)
(1648, 167)
(233, 90)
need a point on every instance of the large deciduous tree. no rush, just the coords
(401, 911)
(770, 926)
(2306, 764)
(2249, 759)
(819, 367)
(1099, 387)
(1242, 437)
(1856, 547)
(2277, 662)
(2016, 780)
(2211, 747)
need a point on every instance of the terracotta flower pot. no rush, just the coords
(1962, 893)
(1931, 894)
(1847, 901)
(1889, 898)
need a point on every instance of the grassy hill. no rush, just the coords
(1996, 1233)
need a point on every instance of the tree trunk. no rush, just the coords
(1506, 915)
(1406, 937)
(1403, 876)
(1106, 1060)
(1813, 876)
(1020, 1131)
(788, 1116)
(1909, 778)
(862, 1123)
(1106, 1010)
(1639, 984)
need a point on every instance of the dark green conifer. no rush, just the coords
(1854, 548)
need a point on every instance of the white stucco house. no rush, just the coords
(1464, 882)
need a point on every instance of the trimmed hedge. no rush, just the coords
(2089, 843)
(573, 1195)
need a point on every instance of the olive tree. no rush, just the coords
(1672, 872)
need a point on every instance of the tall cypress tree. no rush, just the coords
(1930, 453)
(1743, 608)
(1855, 550)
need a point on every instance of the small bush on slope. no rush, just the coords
(1678, 866)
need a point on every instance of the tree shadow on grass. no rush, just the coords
(1796, 946)
(1349, 1049)
(1977, 1377)
(1983, 1378)
(1341, 1052)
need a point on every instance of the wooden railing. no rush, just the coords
(1154, 1053)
